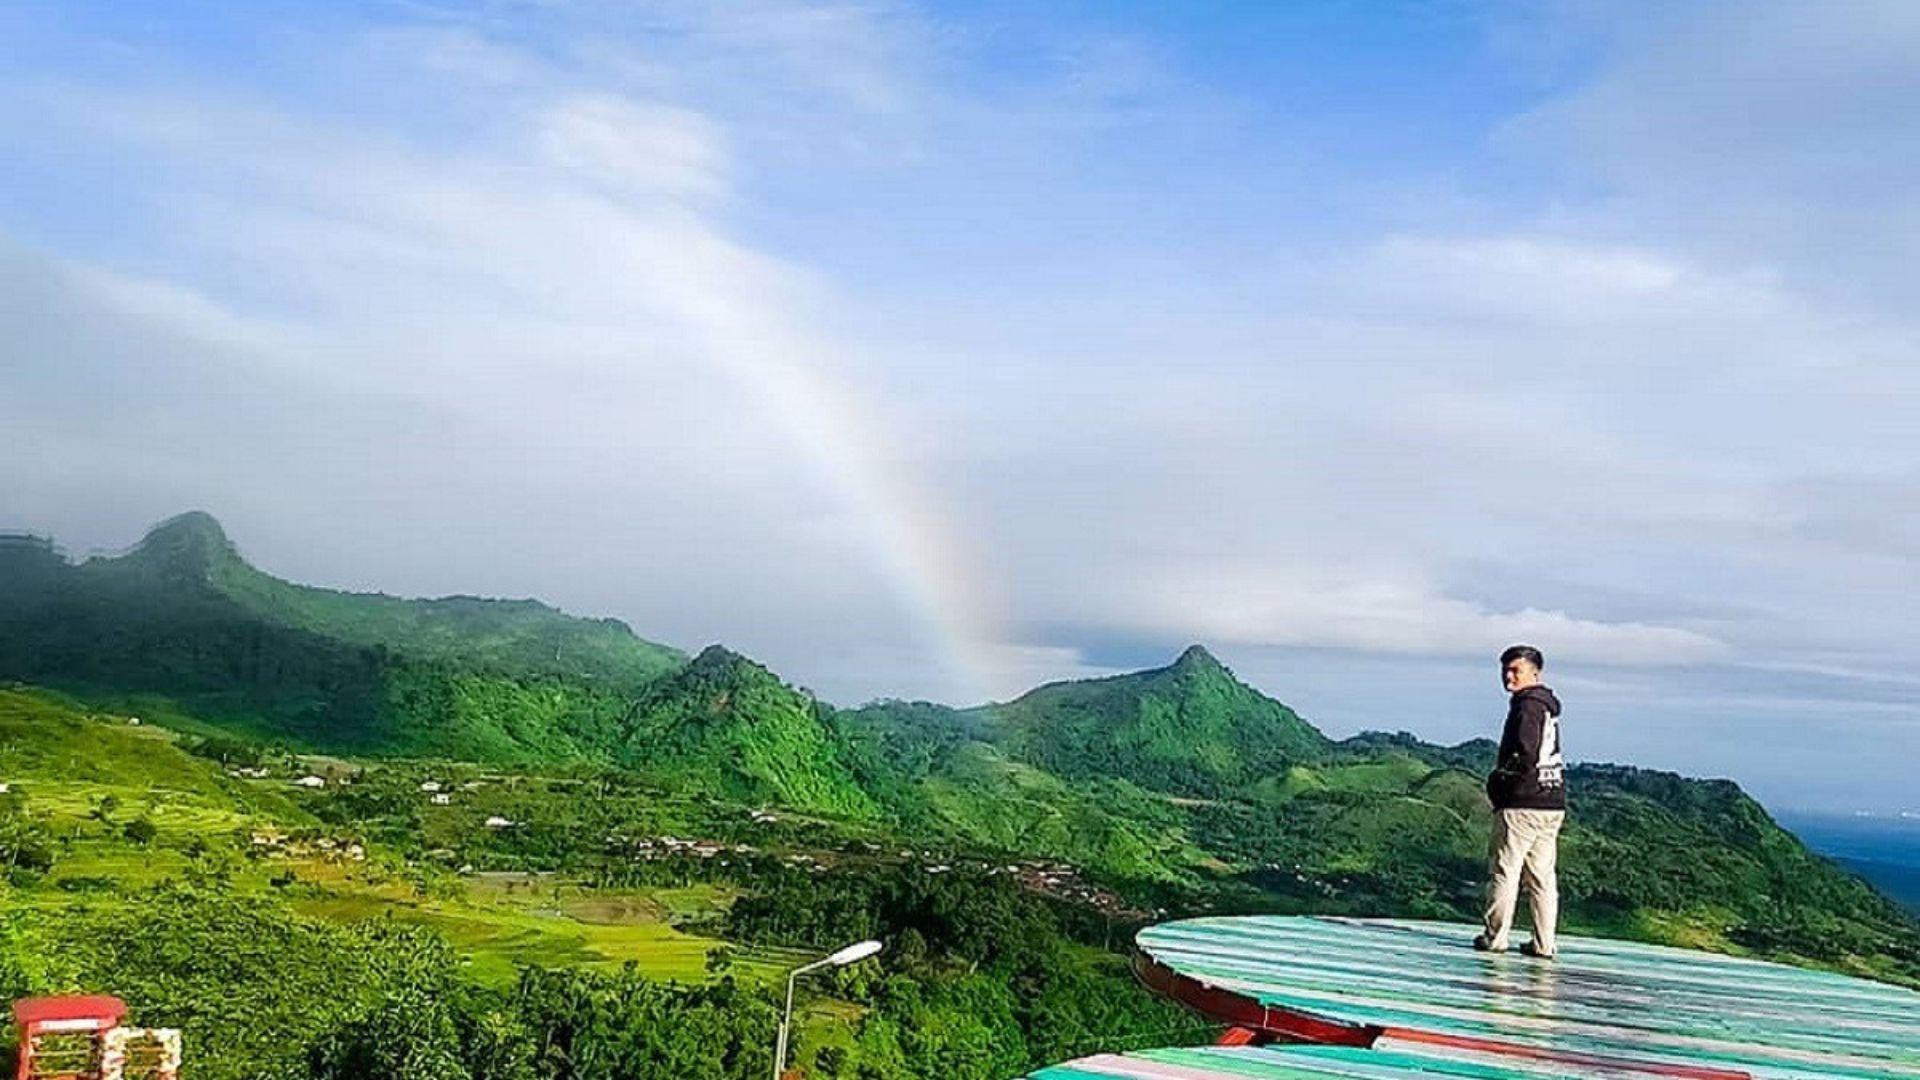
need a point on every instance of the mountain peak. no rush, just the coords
(1197, 658)
(721, 663)
(717, 656)
(192, 542)
(197, 523)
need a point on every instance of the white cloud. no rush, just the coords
(1769, 134)
(642, 146)
(1542, 278)
(458, 51)
(1373, 610)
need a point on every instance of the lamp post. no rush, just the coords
(852, 954)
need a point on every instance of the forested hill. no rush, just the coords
(1190, 728)
(184, 616)
(726, 726)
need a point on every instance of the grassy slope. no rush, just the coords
(935, 779)
(64, 762)
(60, 760)
(983, 800)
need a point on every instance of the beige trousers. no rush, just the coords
(1526, 846)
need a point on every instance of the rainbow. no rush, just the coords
(913, 542)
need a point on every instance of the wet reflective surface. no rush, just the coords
(1601, 1009)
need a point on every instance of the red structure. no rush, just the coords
(1256, 1023)
(81, 1038)
(60, 1036)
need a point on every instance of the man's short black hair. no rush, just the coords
(1523, 652)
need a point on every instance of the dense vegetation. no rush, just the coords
(538, 847)
(728, 727)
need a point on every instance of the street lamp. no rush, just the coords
(852, 954)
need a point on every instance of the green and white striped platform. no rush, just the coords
(1313, 1063)
(1426, 1004)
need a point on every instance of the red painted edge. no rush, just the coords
(1263, 1021)
(1563, 1057)
(70, 1007)
(1239, 1036)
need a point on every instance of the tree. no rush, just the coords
(25, 847)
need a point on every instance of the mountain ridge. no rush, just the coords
(183, 614)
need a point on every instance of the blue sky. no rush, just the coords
(940, 349)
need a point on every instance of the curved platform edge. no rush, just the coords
(1266, 1022)
(1512, 1050)
(1259, 1023)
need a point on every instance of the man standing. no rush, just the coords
(1528, 788)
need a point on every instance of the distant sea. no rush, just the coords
(1883, 848)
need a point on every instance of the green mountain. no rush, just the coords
(1190, 728)
(183, 616)
(931, 770)
(726, 726)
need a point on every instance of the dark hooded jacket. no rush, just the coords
(1529, 774)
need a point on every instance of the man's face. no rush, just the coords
(1518, 674)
